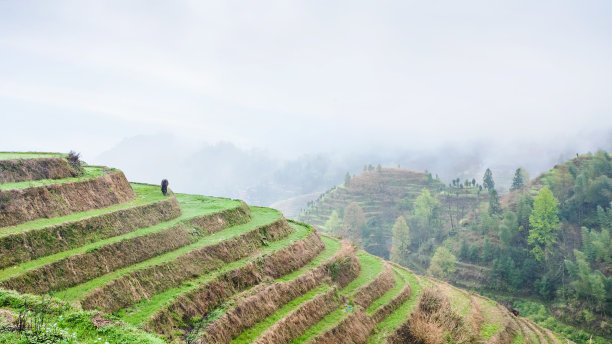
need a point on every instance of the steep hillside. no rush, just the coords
(94, 259)
(558, 256)
(383, 196)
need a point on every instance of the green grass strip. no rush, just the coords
(91, 172)
(400, 283)
(145, 194)
(30, 155)
(401, 314)
(370, 268)
(145, 308)
(260, 217)
(331, 247)
(251, 334)
(191, 206)
(488, 330)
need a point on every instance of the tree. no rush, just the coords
(426, 207)
(442, 263)
(487, 254)
(354, 220)
(400, 242)
(347, 179)
(588, 284)
(544, 222)
(333, 225)
(519, 179)
(378, 168)
(487, 180)
(464, 252)
(494, 206)
(523, 211)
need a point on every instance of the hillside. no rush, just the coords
(556, 269)
(385, 195)
(86, 257)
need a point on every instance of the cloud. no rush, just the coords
(295, 77)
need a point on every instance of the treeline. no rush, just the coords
(556, 242)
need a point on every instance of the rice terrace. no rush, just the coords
(88, 257)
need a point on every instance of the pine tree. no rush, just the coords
(494, 206)
(347, 179)
(518, 181)
(464, 252)
(487, 180)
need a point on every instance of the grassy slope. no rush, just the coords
(493, 320)
(144, 194)
(260, 216)
(400, 282)
(331, 247)
(399, 316)
(191, 206)
(250, 335)
(91, 172)
(144, 309)
(371, 266)
(30, 155)
(73, 322)
(373, 191)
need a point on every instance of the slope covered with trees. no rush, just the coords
(547, 239)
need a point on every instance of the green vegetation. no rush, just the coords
(442, 263)
(192, 206)
(331, 247)
(370, 268)
(399, 316)
(145, 194)
(91, 172)
(139, 312)
(400, 242)
(65, 324)
(537, 312)
(419, 216)
(30, 155)
(544, 222)
(260, 217)
(251, 334)
(382, 196)
(400, 283)
(488, 330)
(549, 239)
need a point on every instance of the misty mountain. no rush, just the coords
(261, 178)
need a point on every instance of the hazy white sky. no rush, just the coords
(299, 76)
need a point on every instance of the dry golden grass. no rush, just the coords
(434, 322)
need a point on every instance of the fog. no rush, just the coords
(271, 99)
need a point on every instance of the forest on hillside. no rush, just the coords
(547, 240)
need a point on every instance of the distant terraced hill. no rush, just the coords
(384, 196)
(86, 257)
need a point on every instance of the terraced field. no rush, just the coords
(101, 260)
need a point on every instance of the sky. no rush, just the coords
(296, 77)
